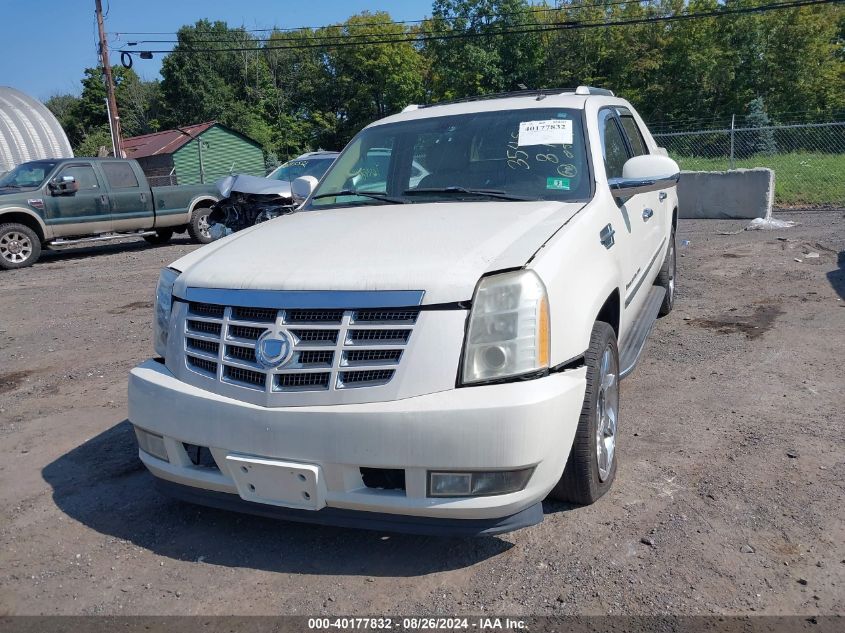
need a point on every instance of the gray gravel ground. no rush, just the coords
(728, 499)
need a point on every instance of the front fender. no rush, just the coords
(6, 211)
(580, 274)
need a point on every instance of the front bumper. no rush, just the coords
(506, 426)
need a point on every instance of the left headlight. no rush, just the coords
(508, 333)
(164, 303)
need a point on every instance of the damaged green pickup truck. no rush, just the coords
(57, 202)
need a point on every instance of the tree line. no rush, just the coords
(296, 90)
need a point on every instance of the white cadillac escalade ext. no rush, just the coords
(434, 341)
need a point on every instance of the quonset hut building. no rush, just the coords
(28, 131)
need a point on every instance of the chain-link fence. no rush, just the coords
(162, 181)
(808, 158)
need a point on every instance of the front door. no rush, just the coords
(651, 208)
(85, 212)
(627, 225)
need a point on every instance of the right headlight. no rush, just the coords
(508, 333)
(164, 304)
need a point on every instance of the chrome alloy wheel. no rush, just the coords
(204, 226)
(607, 412)
(15, 247)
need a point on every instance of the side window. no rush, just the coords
(119, 175)
(83, 174)
(635, 137)
(615, 152)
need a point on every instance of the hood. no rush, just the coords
(252, 184)
(442, 249)
(12, 194)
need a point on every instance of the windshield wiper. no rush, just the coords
(383, 197)
(492, 193)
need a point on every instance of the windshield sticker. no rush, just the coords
(559, 184)
(548, 132)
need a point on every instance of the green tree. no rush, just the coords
(204, 80)
(483, 59)
(759, 141)
(85, 118)
(372, 80)
(63, 107)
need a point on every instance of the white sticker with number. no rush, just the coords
(550, 132)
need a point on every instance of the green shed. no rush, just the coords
(194, 154)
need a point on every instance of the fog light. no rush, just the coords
(450, 484)
(151, 443)
(477, 484)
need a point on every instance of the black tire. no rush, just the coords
(667, 276)
(19, 246)
(582, 481)
(198, 227)
(162, 236)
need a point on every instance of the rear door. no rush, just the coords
(85, 212)
(651, 206)
(131, 199)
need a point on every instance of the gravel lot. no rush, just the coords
(729, 495)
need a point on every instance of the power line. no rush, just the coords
(223, 37)
(530, 9)
(575, 25)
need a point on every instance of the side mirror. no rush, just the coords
(63, 186)
(303, 187)
(641, 174)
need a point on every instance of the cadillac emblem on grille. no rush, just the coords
(273, 348)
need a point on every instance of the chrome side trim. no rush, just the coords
(627, 187)
(630, 297)
(305, 299)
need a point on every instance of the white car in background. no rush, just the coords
(435, 354)
(309, 164)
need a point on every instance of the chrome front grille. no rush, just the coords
(333, 349)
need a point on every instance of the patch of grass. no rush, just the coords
(801, 178)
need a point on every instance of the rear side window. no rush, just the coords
(83, 174)
(635, 137)
(119, 175)
(615, 152)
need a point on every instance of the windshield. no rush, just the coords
(531, 154)
(293, 169)
(27, 175)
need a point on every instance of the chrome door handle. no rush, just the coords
(663, 195)
(606, 236)
(647, 213)
(143, 197)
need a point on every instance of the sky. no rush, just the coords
(46, 45)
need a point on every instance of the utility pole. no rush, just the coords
(111, 103)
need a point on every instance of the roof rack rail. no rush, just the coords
(590, 90)
(538, 94)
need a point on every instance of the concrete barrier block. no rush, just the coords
(735, 194)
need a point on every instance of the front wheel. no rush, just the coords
(199, 227)
(591, 466)
(19, 246)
